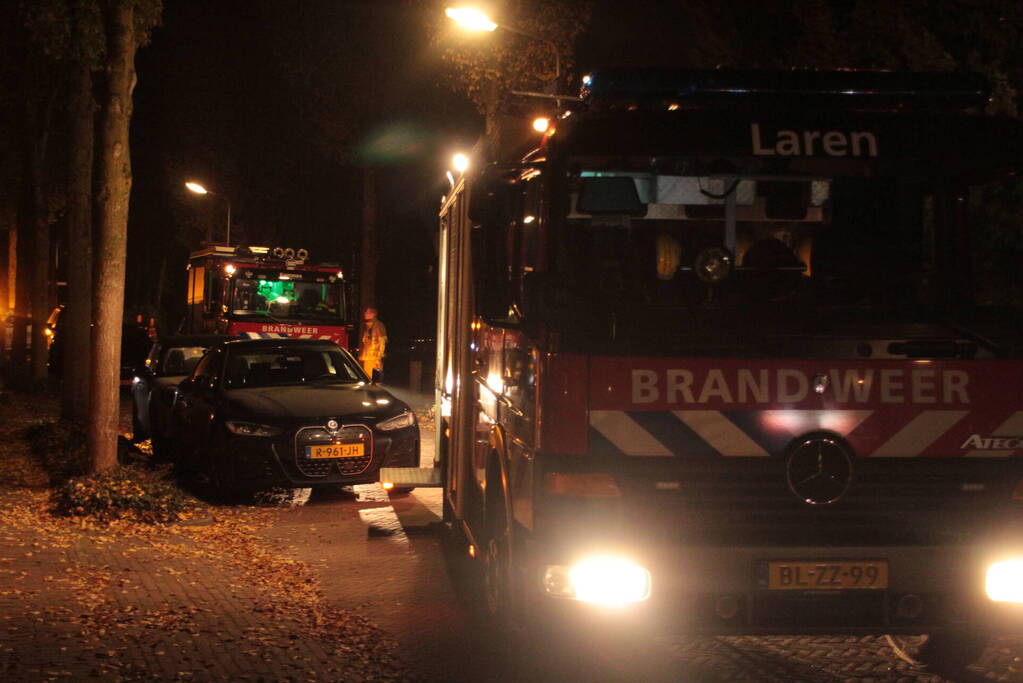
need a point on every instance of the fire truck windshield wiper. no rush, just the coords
(258, 314)
(972, 334)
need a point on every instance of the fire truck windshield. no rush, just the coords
(788, 243)
(287, 299)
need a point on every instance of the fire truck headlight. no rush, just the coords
(1004, 582)
(604, 581)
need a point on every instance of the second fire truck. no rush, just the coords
(259, 291)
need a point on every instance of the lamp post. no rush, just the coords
(199, 189)
(475, 20)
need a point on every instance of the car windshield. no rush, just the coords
(275, 367)
(181, 360)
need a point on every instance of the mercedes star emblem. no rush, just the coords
(332, 425)
(819, 470)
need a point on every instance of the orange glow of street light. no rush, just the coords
(470, 18)
(196, 188)
(460, 162)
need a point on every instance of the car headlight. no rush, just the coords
(1004, 581)
(406, 419)
(251, 429)
(606, 581)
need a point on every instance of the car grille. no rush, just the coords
(307, 437)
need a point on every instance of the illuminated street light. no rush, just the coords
(460, 162)
(473, 19)
(199, 189)
(470, 18)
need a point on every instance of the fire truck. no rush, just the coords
(716, 355)
(259, 291)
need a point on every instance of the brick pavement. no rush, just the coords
(178, 603)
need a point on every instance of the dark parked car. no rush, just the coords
(170, 360)
(292, 413)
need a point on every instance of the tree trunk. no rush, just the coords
(492, 121)
(368, 269)
(5, 253)
(22, 288)
(161, 274)
(39, 117)
(77, 332)
(112, 212)
(42, 283)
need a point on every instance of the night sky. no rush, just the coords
(279, 106)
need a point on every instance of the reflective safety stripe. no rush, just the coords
(1011, 427)
(720, 432)
(626, 435)
(919, 434)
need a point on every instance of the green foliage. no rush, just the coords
(61, 445)
(997, 243)
(123, 493)
(65, 29)
(488, 66)
(148, 14)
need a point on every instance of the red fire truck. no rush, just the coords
(716, 354)
(258, 291)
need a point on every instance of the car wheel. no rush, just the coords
(216, 468)
(136, 428)
(162, 448)
(946, 654)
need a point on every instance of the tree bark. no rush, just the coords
(5, 236)
(112, 213)
(77, 331)
(368, 267)
(40, 116)
(22, 287)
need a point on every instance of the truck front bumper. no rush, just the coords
(722, 590)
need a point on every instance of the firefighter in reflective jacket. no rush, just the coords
(374, 342)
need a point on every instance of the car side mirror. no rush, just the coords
(377, 376)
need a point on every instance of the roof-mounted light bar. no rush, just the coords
(808, 88)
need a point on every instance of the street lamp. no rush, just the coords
(199, 189)
(476, 20)
(460, 162)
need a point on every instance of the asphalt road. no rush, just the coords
(385, 558)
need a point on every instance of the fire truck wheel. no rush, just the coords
(496, 563)
(946, 654)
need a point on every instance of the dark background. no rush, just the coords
(282, 107)
(285, 106)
